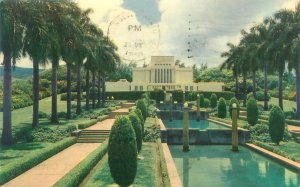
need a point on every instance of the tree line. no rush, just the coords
(48, 32)
(270, 46)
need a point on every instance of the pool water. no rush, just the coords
(202, 124)
(218, 166)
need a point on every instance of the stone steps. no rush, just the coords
(93, 136)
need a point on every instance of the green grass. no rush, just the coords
(287, 105)
(286, 149)
(147, 172)
(17, 151)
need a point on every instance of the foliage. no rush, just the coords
(260, 96)
(222, 111)
(18, 167)
(234, 100)
(206, 103)
(102, 118)
(213, 100)
(137, 126)
(215, 75)
(63, 96)
(252, 111)
(140, 115)
(45, 134)
(201, 100)
(81, 170)
(260, 132)
(123, 71)
(293, 122)
(141, 104)
(152, 131)
(122, 152)
(87, 124)
(276, 124)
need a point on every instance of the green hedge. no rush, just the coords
(102, 118)
(87, 124)
(274, 150)
(293, 122)
(18, 167)
(63, 96)
(163, 166)
(159, 95)
(78, 173)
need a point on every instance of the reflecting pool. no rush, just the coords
(214, 166)
(202, 124)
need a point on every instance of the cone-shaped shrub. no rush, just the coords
(141, 104)
(276, 124)
(252, 111)
(234, 100)
(202, 105)
(222, 111)
(213, 101)
(137, 126)
(206, 103)
(122, 152)
(139, 114)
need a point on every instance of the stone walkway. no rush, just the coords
(293, 128)
(102, 125)
(47, 173)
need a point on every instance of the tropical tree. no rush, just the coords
(12, 31)
(35, 38)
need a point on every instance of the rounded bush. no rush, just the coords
(137, 126)
(222, 111)
(234, 100)
(122, 152)
(206, 103)
(141, 104)
(276, 124)
(202, 104)
(139, 114)
(252, 111)
(213, 100)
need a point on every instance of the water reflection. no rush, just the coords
(218, 166)
(202, 124)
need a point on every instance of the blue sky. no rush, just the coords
(198, 29)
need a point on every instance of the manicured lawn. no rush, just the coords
(17, 151)
(147, 173)
(287, 105)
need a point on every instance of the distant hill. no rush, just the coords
(18, 72)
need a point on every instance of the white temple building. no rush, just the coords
(162, 73)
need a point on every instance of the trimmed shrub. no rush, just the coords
(87, 124)
(43, 115)
(213, 100)
(102, 118)
(141, 104)
(276, 124)
(234, 100)
(46, 134)
(202, 100)
(252, 111)
(81, 170)
(293, 122)
(137, 126)
(13, 169)
(122, 152)
(139, 114)
(63, 96)
(222, 111)
(206, 103)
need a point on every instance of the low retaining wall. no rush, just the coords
(209, 136)
(178, 115)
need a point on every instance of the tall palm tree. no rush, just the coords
(11, 42)
(233, 60)
(290, 36)
(35, 38)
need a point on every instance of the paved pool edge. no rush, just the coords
(290, 163)
(172, 171)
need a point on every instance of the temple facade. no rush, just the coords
(162, 73)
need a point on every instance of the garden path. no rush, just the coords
(47, 173)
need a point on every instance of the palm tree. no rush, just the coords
(289, 20)
(36, 35)
(11, 44)
(233, 62)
